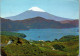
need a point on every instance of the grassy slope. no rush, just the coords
(13, 34)
(19, 47)
(22, 47)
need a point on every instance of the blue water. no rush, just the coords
(48, 34)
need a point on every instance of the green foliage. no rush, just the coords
(13, 34)
(37, 42)
(48, 41)
(55, 39)
(66, 46)
(58, 47)
(19, 49)
(69, 38)
(22, 50)
(5, 39)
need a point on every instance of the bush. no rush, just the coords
(58, 47)
(13, 34)
(47, 41)
(69, 38)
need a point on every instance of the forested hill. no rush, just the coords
(66, 46)
(13, 34)
(32, 23)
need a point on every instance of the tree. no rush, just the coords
(58, 47)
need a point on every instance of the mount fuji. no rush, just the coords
(36, 12)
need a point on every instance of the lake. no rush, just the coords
(48, 34)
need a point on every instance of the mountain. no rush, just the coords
(39, 22)
(9, 25)
(32, 23)
(36, 9)
(36, 12)
(73, 22)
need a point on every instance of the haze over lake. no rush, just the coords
(48, 34)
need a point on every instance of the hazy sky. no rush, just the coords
(62, 8)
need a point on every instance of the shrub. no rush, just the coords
(69, 38)
(58, 47)
(13, 34)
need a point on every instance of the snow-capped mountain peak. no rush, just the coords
(36, 12)
(36, 9)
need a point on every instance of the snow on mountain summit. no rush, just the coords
(36, 12)
(36, 9)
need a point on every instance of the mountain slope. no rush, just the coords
(39, 22)
(9, 25)
(32, 23)
(36, 12)
(74, 22)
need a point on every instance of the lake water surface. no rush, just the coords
(48, 34)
